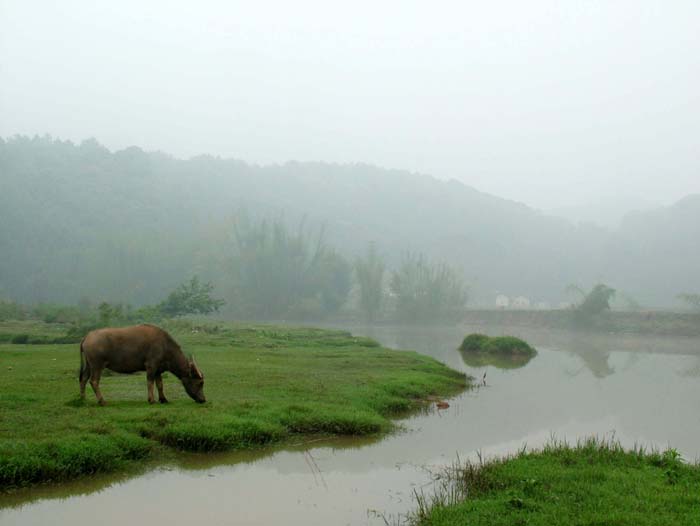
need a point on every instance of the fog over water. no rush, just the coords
(557, 105)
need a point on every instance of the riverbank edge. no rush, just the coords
(592, 482)
(659, 323)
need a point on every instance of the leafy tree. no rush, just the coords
(596, 302)
(108, 313)
(427, 292)
(192, 297)
(370, 277)
(692, 300)
(52, 313)
(280, 273)
(10, 310)
(335, 281)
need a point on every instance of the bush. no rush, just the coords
(9, 310)
(594, 306)
(503, 345)
(190, 297)
(77, 332)
(20, 339)
(473, 342)
(50, 313)
(507, 345)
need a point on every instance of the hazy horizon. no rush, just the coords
(556, 106)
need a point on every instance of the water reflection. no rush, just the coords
(595, 355)
(192, 462)
(499, 361)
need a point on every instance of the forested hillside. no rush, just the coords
(79, 221)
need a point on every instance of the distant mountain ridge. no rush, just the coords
(79, 220)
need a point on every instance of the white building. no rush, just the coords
(502, 301)
(521, 302)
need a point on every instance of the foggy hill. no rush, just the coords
(81, 221)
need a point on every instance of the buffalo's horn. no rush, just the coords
(199, 373)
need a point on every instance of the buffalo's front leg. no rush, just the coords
(161, 394)
(151, 399)
(95, 383)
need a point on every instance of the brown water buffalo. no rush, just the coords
(138, 348)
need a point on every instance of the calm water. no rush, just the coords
(641, 390)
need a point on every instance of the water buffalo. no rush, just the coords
(138, 348)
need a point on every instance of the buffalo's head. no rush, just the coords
(194, 383)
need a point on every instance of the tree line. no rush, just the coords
(269, 271)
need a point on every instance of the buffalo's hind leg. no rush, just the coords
(95, 376)
(149, 379)
(84, 377)
(161, 394)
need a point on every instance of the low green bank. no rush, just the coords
(504, 352)
(593, 483)
(480, 343)
(263, 385)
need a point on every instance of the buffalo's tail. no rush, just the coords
(84, 368)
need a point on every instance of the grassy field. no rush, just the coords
(593, 483)
(263, 385)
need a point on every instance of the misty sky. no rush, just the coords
(552, 103)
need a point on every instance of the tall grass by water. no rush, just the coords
(594, 482)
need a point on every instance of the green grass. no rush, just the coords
(496, 345)
(263, 385)
(593, 483)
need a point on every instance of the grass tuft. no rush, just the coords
(61, 459)
(594, 482)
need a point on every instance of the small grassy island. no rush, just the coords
(504, 352)
(595, 482)
(263, 384)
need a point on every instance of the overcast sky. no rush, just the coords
(553, 103)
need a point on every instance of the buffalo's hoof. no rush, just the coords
(151, 401)
(163, 400)
(101, 403)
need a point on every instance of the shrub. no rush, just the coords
(10, 310)
(20, 338)
(507, 345)
(50, 313)
(473, 342)
(503, 345)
